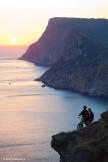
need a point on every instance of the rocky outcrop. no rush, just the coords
(83, 67)
(50, 46)
(89, 145)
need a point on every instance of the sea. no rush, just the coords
(31, 114)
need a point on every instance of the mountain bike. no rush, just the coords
(80, 124)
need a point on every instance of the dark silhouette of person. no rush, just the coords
(85, 114)
(91, 115)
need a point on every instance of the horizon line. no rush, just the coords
(14, 45)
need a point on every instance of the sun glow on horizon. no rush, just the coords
(14, 40)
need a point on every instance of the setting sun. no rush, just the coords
(14, 40)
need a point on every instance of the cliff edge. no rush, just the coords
(90, 145)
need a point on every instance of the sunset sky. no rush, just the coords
(22, 22)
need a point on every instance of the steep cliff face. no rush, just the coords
(50, 46)
(89, 145)
(83, 67)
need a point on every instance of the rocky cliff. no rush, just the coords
(89, 145)
(83, 67)
(50, 46)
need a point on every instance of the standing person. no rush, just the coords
(85, 114)
(91, 115)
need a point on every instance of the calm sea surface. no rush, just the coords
(30, 114)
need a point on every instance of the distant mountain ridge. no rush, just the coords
(50, 46)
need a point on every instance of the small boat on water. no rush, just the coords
(43, 85)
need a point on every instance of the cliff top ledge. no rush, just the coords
(90, 145)
(63, 18)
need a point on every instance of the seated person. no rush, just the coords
(91, 115)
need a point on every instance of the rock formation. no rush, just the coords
(80, 64)
(50, 46)
(83, 67)
(89, 145)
